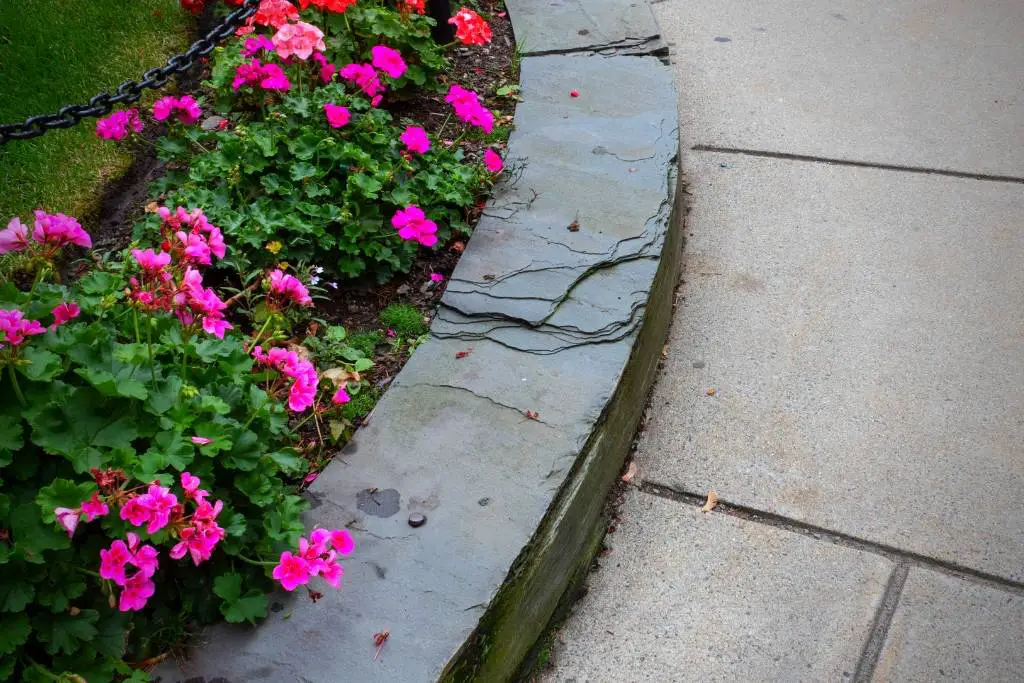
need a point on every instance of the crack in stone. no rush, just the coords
(626, 47)
(520, 411)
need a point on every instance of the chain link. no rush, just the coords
(130, 91)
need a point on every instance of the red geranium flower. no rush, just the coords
(470, 27)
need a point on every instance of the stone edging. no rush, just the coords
(567, 323)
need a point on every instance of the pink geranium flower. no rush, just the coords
(366, 78)
(388, 60)
(57, 229)
(151, 260)
(137, 591)
(119, 125)
(492, 162)
(337, 115)
(342, 541)
(291, 571)
(68, 519)
(201, 440)
(340, 396)
(436, 277)
(298, 39)
(275, 13)
(416, 140)
(257, 44)
(16, 327)
(113, 562)
(184, 108)
(468, 108)
(63, 313)
(412, 224)
(14, 237)
(94, 507)
(289, 288)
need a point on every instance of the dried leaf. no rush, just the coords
(664, 351)
(573, 227)
(630, 472)
(531, 414)
(711, 391)
(712, 502)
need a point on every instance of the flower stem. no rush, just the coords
(149, 350)
(41, 669)
(135, 321)
(87, 572)
(258, 563)
(14, 383)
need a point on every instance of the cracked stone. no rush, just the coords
(562, 26)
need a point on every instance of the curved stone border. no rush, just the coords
(559, 307)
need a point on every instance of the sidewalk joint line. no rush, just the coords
(868, 661)
(859, 164)
(892, 553)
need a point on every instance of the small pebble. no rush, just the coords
(711, 391)
(417, 519)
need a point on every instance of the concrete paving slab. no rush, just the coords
(685, 596)
(911, 82)
(864, 333)
(945, 629)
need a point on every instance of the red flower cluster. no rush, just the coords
(470, 27)
(338, 6)
(413, 6)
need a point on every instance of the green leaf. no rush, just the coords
(11, 438)
(58, 595)
(15, 594)
(302, 170)
(63, 493)
(236, 607)
(214, 404)
(110, 634)
(32, 537)
(304, 146)
(288, 461)
(14, 630)
(62, 632)
(166, 395)
(42, 365)
(117, 434)
(217, 433)
(99, 283)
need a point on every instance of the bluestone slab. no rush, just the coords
(512, 502)
(911, 82)
(605, 26)
(688, 596)
(946, 629)
(863, 332)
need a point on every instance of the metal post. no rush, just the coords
(441, 11)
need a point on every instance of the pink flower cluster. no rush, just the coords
(64, 312)
(317, 556)
(299, 39)
(337, 115)
(266, 76)
(178, 287)
(52, 230)
(202, 534)
(366, 78)
(16, 327)
(139, 587)
(119, 125)
(153, 508)
(202, 239)
(492, 162)
(387, 60)
(466, 104)
(90, 509)
(184, 108)
(257, 44)
(412, 224)
(288, 288)
(416, 140)
(327, 70)
(302, 393)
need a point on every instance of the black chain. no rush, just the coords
(130, 91)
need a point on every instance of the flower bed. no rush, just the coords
(169, 401)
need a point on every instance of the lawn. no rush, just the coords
(56, 52)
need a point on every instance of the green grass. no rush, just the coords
(404, 319)
(53, 53)
(367, 342)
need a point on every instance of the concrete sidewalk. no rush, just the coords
(854, 295)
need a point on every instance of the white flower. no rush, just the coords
(332, 285)
(313, 280)
(318, 270)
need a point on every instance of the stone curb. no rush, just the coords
(558, 309)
